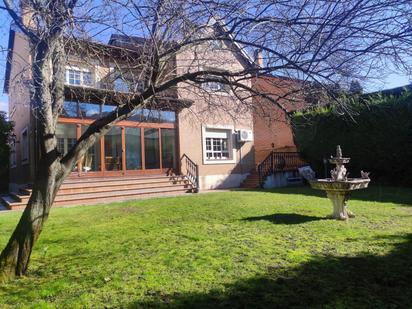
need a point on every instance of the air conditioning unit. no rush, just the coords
(244, 136)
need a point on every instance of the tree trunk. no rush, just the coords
(14, 259)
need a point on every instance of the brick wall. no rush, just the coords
(272, 129)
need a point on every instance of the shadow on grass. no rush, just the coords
(285, 218)
(364, 281)
(375, 193)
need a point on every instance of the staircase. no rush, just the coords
(283, 165)
(93, 190)
(251, 181)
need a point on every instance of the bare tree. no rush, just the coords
(314, 41)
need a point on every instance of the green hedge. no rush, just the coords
(377, 136)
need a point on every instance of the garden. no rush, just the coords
(236, 249)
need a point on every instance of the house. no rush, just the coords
(190, 138)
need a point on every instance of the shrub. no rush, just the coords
(377, 136)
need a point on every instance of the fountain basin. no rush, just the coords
(328, 184)
(338, 191)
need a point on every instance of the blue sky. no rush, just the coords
(391, 81)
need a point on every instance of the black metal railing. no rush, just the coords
(191, 170)
(278, 162)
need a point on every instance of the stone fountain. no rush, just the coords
(339, 186)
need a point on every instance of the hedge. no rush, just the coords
(377, 136)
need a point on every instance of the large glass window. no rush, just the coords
(113, 149)
(151, 145)
(66, 137)
(106, 109)
(168, 148)
(89, 110)
(91, 160)
(133, 149)
(155, 116)
(69, 109)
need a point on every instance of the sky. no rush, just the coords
(390, 81)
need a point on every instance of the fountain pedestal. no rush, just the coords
(339, 186)
(340, 208)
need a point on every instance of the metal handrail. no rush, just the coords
(278, 162)
(192, 171)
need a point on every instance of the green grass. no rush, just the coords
(269, 249)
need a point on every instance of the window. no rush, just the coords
(89, 110)
(73, 77)
(168, 148)
(217, 145)
(69, 109)
(216, 44)
(13, 155)
(24, 146)
(121, 85)
(216, 87)
(66, 137)
(155, 116)
(79, 77)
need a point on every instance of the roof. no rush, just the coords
(392, 91)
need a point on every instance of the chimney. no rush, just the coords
(258, 58)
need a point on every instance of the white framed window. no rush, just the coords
(218, 145)
(216, 87)
(24, 146)
(79, 77)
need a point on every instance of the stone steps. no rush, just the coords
(93, 190)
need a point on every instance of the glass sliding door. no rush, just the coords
(133, 149)
(168, 148)
(66, 137)
(113, 149)
(151, 148)
(91, 161)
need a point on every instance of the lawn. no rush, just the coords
(268, 249)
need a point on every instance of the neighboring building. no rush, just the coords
(180, 133)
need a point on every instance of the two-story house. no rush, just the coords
(189, 137)
(194, 136)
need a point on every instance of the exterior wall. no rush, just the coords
(272, 131)
(19, 109)
(219, 111)
(281, 179)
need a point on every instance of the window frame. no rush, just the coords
(24, 146)
(230, 140)
(13, 156)
(82, 72)
(221, 91)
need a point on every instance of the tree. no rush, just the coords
(355, 87)
(317, 42)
